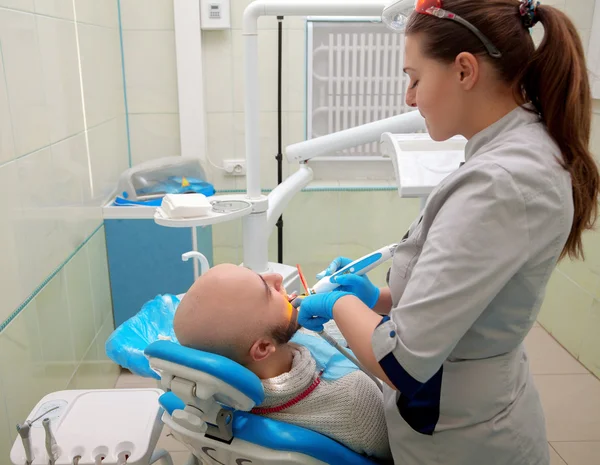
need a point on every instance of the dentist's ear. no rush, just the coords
(467, 70)
(261, 349)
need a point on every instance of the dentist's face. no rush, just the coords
(432, 89)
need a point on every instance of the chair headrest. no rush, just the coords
(226, 370)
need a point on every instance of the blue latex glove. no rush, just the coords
(336, 264)
(316, 310)
(360, 286)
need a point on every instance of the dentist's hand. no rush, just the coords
(360, 286)
(316, 310)
(336, 264)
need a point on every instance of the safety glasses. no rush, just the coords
(395, 16)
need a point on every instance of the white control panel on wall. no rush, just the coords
(215, 14)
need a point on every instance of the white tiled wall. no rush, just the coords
(63, 137)
(224, 78)
(151, 84)
(581, 13)
(63, 143)
(151, 78)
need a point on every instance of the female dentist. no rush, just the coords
(467, 281)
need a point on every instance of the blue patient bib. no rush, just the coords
(335, 364)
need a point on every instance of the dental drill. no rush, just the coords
(50, 442)
(24, 430)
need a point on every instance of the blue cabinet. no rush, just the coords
(144, 259)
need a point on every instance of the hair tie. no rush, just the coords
(528, 11)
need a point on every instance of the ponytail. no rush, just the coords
(556, 82)
(552, 77)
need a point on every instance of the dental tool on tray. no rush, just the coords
(50, 442)
(24, 431)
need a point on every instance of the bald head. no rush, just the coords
(229, 308)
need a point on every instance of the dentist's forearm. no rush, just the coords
(384, 303)
(357, 323)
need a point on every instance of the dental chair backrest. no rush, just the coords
(207, 403)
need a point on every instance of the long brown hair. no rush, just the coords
(552, 77)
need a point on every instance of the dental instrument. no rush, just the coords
(358, 267)
(298, 302)
(24, 431)
(50, 443)
(303, 280)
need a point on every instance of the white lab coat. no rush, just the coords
(467, 283)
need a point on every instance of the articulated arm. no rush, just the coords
(404, 123)
(283, 193)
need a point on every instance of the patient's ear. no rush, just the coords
(262, 349)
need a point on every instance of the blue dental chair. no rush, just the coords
(208, 399)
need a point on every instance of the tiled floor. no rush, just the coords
(570, 394)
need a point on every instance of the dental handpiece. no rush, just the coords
(358, 267)
(50, 441)
(24, 431)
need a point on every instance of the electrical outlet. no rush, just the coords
(235, 167)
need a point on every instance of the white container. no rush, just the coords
(420, 163)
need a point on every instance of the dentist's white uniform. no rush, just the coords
(467, 283)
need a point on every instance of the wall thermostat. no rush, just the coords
(215, 14)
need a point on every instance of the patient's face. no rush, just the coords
(231, 310)
(283, 317)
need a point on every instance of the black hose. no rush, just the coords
(279, 156)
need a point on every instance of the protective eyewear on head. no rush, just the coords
(395, 16)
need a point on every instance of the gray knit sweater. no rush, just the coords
(349, 409)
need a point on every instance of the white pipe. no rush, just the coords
(204, 265)
(342, 8)
(195, 248)
(253, 187)
(283, 193)
(255, 242)
(331, 143)
(256, 232)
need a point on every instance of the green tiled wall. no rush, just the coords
(571, 310)
(57, 341)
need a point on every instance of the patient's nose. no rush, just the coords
(275, 280)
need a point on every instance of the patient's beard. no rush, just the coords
(283, 334)
(281, 360)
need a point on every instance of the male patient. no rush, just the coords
(236, 313)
